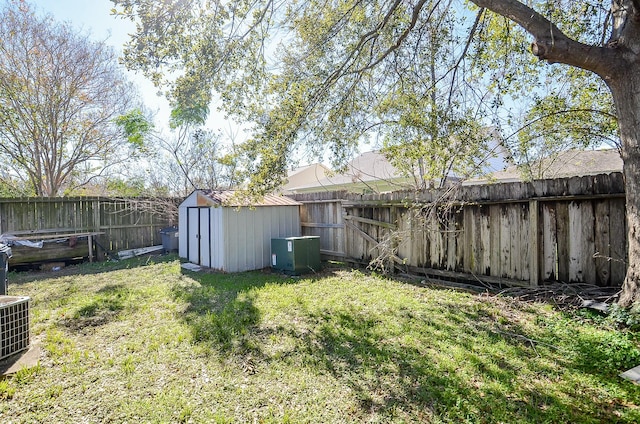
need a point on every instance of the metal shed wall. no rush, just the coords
(248, 234)
(218, 251)
(233, 239)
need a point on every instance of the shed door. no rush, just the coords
(199, 243)
(205, 237)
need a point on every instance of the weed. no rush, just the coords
(7, 390)
(26, 375)
(128, 365)
(625, 317)
(53, 391)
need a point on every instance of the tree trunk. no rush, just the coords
(617, 62)
(626, 95)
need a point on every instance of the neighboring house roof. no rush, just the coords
(570, 163)
(234, 198)
(370, 171)
(305, 176)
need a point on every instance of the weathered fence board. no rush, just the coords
(118, 224)
(570, 230)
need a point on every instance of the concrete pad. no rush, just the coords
(26, 359)
(632, 375)
(191, 267)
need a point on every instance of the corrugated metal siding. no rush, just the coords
(232, 239)
(182, 232)
(248, 234)
(217, 239)
(205, 236)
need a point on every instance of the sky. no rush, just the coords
(94, 17)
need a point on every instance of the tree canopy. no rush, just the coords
(60, 96)
(425, 75)
(328, 75)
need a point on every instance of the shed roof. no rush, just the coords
(233, 198)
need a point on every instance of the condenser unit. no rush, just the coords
(14, 325)
(296, 255)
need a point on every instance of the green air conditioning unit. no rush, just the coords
(296, 255)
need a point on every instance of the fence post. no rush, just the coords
(534, 255)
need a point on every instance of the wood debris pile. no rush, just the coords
(564, 295)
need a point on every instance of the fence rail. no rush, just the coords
(571, 230)
(111, 225)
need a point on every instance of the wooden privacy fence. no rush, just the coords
(571, 230)
(109, 224)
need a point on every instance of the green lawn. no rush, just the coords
(148, 342)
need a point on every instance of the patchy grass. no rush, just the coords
(148, 342)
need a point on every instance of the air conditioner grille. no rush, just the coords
(14, 325)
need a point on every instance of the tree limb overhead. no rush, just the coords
(551, 44)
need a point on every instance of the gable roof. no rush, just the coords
(370, 170)
(570, 163)
(304, 176)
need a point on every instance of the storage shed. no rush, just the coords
(220, 231)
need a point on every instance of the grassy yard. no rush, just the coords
(148, 342)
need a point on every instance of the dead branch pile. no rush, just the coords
(564, 295)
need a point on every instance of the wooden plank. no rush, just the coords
(43, 231)
(320, 225)
(588, 243)
(370, 239)
(533, 247)
(517, 259)
(485, 241)
(340, 236)
(370, 221)
(618, 241)
(361, 233)
(330, 201)
(562, 237)
(549, 243)
(478, 248)
(126, 254)
(505, 242)
(405, 227)
(523, 198)
(458, 241)
(467, 276)
(602, 244)
(453, 240)
(473, 218)
(467, 258)
(494, 227)
(428, 241)
(575, 243)
(332, 253)
(23, 255)
(9, 237)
